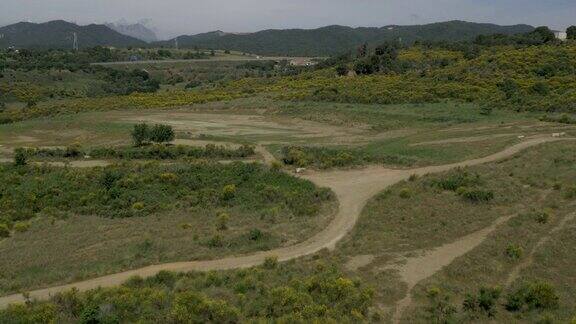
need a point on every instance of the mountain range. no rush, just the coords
(60, 34)
(337, 39)
(323, 41)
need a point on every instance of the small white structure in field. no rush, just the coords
(300, 170)
(521, 137)
(561, 35)
(558, 134)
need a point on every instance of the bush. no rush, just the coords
(514, 251)
(189, 307)
(570, 192)
(457, 179)
(228, 192)
(223, 219)
(405, 193)
(4, 231)
(270, 262)
(216, 241)
(22, 227)
(484, 302)
(20, 158)
(530, 296)
(138, 206)
(161, 133)
(542, 217)
(475, 195)
(255, 235)
(140, 134)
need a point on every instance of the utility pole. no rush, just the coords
(176, 42)
(75, 44)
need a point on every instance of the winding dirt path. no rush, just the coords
(352, 188)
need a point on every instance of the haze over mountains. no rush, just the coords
(292, 42)
(138, 30)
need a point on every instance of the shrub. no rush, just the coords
(255, 235)
(270, 262)
(570, 192)
(186, 226)
(440, 309)
(534, 295)
(483, 303)
(4, 231)
(193, 84)
(216, 241)
(223, 219)
(138, 206)
(190, 307)
(276, 166)
(475, 195)
(168, 177)
(161, 133)
(542, 217)
(228, 192)
(22, 227)
(457, 179)
(140, 134)
(20, 158)
(405, 193)
(514, 251)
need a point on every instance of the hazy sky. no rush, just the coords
(173, 17)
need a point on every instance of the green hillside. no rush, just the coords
(332, 40)
(59, 34)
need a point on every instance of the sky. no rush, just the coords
(178, 17)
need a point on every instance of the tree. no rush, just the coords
(363, 50)
(571, 31)
(140, 134)
(363, 67)
(162, 133)
(543, 34)
(342, 70)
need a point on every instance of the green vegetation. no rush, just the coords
(141, 214)
(334, 40)
(150, 152)
(283, 293)
(113, 191)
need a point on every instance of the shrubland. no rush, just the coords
(127, 190)
(279, 293)
(149, 152)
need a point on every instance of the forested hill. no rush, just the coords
(332, 40)
(59, 34)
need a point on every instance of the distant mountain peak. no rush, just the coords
(139, 30)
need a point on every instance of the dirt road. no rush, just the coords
(352, 188)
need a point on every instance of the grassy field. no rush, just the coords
(67, 224)
(416, 216)
(331, 135)
(406, 222)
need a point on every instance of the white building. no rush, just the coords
(561, 35)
